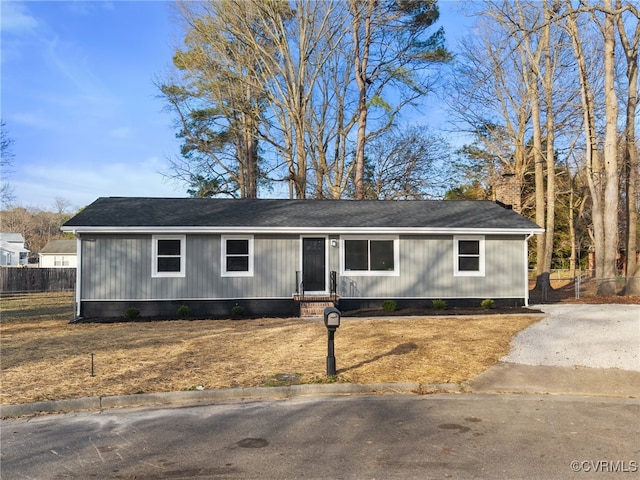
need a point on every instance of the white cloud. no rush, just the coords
(81, 184)
(83, 7)
(67, 57)
(72, 62)
(16, 19)
(32, 120)
(123, 133)
(18, 28)
(81, 129)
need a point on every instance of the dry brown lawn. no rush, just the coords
(44, 357)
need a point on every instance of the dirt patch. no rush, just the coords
(445, 312)
(44, 357)
(586, 293)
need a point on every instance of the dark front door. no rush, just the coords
(313, 264)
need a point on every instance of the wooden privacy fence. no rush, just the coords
(15, 279)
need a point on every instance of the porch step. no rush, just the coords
(314, 308)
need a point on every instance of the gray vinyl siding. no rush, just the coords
(112, 265)
(118, 267)
(426, 271)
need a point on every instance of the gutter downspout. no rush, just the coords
(78, 275)
(526, 268)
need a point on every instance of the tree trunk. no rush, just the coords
(592, 161)
(632, 270)
(252, 167)
(611, 191)
(550, 145)
(361, 60)
(300, 182)
(542, 268)
(572, 231)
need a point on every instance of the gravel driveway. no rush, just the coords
(596, 336)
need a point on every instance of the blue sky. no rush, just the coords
(79, 101)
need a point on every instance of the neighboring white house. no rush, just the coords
(12, 250)
(59, 254)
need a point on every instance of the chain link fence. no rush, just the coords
(578, 283)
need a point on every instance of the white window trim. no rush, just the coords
(371, 273)
(154, 255)
(466, 273)
(223, 256)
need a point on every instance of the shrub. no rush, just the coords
(389, 305)
(183, 311)
(439, 304)
(487, 304)
(237, 311)
(131, 313)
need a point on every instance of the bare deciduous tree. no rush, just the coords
(309, 72)
(37, 226)
(7, 195)
(410, 164)
(217, 111)
(391, 48)
(611, 188)
(530, 37)
(602, 173)
(630, 45)
(488, 96)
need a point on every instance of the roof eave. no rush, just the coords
(79, 230)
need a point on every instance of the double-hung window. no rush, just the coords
(168, 252)
(370, 256)
(468, 256)
(237, 256)
(60, 261)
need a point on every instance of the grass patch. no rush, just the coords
(44, 357)
(282, 380)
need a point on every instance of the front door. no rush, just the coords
(313, 264)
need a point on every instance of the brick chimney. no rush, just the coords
(507, 192)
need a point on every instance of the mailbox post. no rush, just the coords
(332, 322)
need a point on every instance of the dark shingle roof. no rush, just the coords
(125, 212)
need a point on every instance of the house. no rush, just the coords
(59, 254)
(271, 256)
(12, 250)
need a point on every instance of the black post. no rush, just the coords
(331, 359)
(92, 374)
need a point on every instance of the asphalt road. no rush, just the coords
(460, 436)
